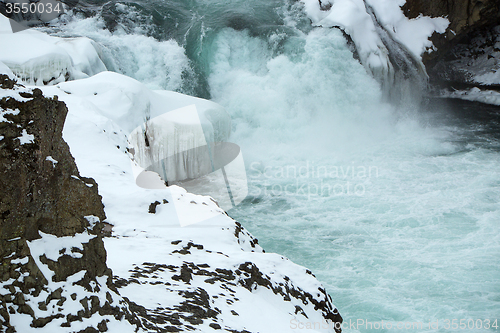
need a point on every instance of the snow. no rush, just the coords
(5, 25)
(489, 78)
(15, 94)
(33, 60)
(103, 112)
(26, 138)
(6, 70)
(412, 33)
(352, 17)
(128, 103)
(173, 137)
(54, 247)
(20, 261)
(475, 94)
(51, 159)
(183, 135)
(39, 59)
(4, 112)
(86, 60)
(92, 220)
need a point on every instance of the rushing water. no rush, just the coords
(396, 210)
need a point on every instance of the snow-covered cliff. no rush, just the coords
(206, 276)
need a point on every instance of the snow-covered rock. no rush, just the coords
(474, 94)
(412, 33)
(6, 70)
(353, 17)
(129, 103)
(53, 273)
(38, 59)
(205, 277)
(179, 261)
(209, 275)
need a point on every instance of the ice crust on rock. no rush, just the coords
(353, 18)
(38, 59)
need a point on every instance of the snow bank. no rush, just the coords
(85, 56)
(46, 304)
(476, 95)
(6, 70)
(130, 103)
(39, 59)
(489, 78)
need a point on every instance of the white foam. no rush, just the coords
(158, 64)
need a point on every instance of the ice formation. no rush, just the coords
(39, 59)
(353, 17)
(182, 139)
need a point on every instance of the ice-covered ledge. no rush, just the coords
(38, 59)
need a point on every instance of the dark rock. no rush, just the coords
(152, 207)
(469, 20)
(215, 326)
(41, 196)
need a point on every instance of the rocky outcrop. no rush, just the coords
(470, 46)
(465, 16)
(53, 269)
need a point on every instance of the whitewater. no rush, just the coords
(395, 209)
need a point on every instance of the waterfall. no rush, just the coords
(407, 80)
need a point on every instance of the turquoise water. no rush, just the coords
(395, 210)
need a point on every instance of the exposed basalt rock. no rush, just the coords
(240, 230)
(42, 189)
(464, 15)
(44, 202)
(469, 36)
